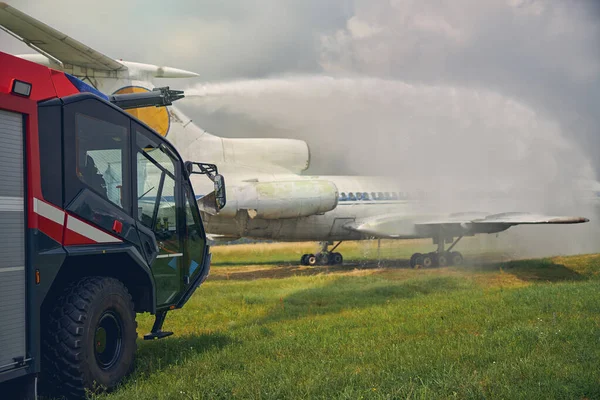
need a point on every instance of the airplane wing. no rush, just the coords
(461, 224)
(52, 43)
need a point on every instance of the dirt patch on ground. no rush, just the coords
(369, 267)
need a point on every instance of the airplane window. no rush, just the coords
(373, 195)
(387, 195)
(394, 196)
(351, 196)
(365, 196)
(358, 196)
(343, 196)
(380, 196)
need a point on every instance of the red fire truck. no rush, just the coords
(98, 221)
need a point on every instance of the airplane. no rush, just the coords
(267, 195)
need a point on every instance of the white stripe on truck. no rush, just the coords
(47, 211)
(89, 231)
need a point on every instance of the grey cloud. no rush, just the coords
(219, 40)
(545, 53)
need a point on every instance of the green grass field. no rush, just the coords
(264, 328)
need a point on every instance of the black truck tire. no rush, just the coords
(89, 342)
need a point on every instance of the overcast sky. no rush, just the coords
(542, 54)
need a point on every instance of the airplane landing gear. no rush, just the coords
(324, 257)
(439, 258)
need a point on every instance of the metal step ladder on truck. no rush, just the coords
(99, 222)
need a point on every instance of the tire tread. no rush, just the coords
(62, 358)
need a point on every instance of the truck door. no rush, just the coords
(159, 205)
(194, 241)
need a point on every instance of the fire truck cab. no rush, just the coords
(98, 222)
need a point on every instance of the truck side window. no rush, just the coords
(149, 177)
(156, 185)
(100, 148)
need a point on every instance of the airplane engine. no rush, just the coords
(291, 154)
(282, 199)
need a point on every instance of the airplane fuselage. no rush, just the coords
(359, 198)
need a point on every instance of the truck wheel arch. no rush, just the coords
(125, 264)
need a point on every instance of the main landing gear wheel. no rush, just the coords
(428, 260)
(456, 258)
(439, 258)
(443, 259)
(416, 260)
(335, 259)
(309, 259)
(436, 260)
(324, 257)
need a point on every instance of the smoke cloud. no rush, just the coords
(494, 96)
(544, 55)
(485, 106)
(445, 140)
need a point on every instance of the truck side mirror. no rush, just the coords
(220, 197)
(212, 172)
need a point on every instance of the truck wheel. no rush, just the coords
(90, 340)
